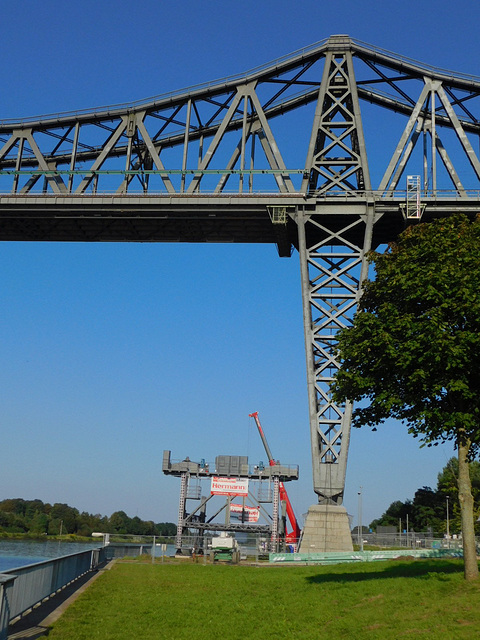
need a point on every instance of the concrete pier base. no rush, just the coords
(327, 528)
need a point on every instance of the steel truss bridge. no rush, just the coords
(275, 155)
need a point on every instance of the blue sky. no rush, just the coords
(111, 353)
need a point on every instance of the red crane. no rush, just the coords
(294, 535)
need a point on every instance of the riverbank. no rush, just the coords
(71, 537)
(40, 537)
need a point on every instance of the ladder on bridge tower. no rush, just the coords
(181, 510)
(414, 207)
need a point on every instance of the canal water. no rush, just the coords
(18, 553)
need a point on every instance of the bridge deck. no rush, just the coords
(199, 218)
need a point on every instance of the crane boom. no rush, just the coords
(254, 415)
(294, 535)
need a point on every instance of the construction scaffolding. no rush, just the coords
(229, 477)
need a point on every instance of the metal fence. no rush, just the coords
(258, 545)
(410, 539)
(128, 550)
(24, 587)
(251, 546)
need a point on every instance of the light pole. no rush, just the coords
(448, 525)
(360, 527)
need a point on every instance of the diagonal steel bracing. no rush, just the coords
(423, 118)
(336, 159)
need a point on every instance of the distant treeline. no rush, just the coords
(36, 517)
(428, 509)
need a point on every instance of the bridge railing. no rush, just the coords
(398, 194)
(24, 587)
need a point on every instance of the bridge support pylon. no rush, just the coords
(333, 240)
(333, 266)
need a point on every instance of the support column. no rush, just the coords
(6, 586)
(181, 511)
(333, 265)
(332, 243)
(275, 514)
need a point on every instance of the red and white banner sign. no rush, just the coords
(250, 514)
(229, 486)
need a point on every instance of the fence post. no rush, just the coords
(6, 584)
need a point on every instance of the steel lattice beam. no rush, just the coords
(228, 127)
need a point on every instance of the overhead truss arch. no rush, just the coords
(221, 136)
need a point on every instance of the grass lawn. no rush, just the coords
(402, 599)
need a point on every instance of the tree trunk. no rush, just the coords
(465, 499)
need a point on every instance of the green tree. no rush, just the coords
(396, 512)
(167, 529)
(32, 508)
(87, 523)
(66, 515)
(13, 505)
(413, 351)
(119, 522)
(427, 510)
(39, 523)
(447, 485)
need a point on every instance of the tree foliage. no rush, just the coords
(413, 351)
(35, 517)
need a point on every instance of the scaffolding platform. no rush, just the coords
(203, 469)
